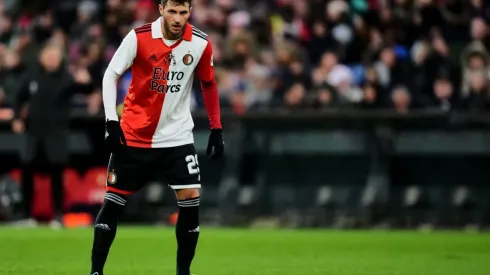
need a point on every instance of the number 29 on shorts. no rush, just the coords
(192, 164)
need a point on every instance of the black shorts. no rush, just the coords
(133, 167)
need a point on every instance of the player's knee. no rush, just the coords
(112, 208)
(185, 194)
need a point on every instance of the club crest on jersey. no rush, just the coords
(111, 178)
(188, 59)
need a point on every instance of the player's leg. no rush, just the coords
(187, 229)
(182, 171)
(105, 229)
(123, 178)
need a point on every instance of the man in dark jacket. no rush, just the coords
(47, 89)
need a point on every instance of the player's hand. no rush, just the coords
(114, 137)
(216, 144)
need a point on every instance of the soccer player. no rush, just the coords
(153, 140)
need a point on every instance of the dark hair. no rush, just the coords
(176, 2)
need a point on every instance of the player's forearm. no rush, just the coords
(109, 94)
(211, 103)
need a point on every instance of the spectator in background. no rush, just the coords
(443, 95)
(478, 97)
(455, 15)
(47, 89)
(479, 8)
(401, 100)
(238, 22)
(370, 98)
(241, 48)
(6, 29)
(296, 71)
(388, 70)
(258, 88)
(325, 65)
(355, 48)
(228, 81)
(474, 60)
(479, 32)
(341, 78)
(295, 97)
(324, 97)
(371, 77)
(284, 56)
(480, 40)
(320, 40)
(431, 59)
(92, 59)
(86, 12)
(419, 54)
(427, 16)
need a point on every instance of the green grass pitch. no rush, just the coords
(151, 250)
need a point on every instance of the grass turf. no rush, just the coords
(144, 251)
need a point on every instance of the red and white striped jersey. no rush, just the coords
(156, 111)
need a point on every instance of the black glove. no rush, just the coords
(114, 137)
(216, 144)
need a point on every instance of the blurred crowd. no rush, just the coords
(299, 54)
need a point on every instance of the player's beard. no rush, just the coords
(171, 35)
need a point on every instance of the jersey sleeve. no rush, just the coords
(125, 54)
(120, 62)
(205, 73)
(205, 69)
